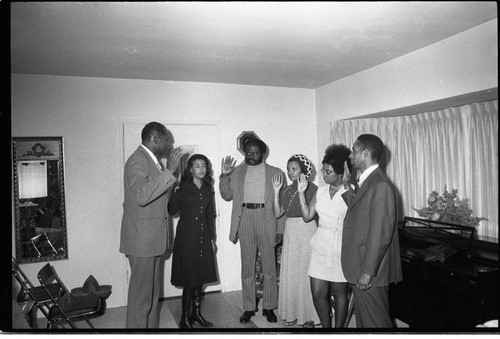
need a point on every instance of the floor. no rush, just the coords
(222, 309)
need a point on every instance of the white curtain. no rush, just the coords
(455, 147)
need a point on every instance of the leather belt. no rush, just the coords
(252, 205)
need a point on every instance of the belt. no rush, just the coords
(252, 205)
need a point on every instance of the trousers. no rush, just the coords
(371, 307)
(253, 236)
(143, 292)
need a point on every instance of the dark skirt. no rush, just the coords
(193, 259)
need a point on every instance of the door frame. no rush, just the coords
(218, 198)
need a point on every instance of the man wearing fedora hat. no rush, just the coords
(250, 187)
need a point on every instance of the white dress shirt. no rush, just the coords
(155, 159)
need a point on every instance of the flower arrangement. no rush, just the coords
(449, 208)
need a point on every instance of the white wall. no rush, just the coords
(464, 63)
(87, 112)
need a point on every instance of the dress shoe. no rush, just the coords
(246, 316)
(271, 317)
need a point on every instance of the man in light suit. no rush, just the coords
(370, 245)
(143, 236)
(249, 185)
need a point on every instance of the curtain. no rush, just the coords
(453, 148)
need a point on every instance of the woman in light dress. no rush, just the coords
(295, 304)
(325, 270)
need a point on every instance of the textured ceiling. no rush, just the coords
(286, 44)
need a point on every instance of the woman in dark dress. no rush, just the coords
(193, 260)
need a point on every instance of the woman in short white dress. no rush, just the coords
(325, 270)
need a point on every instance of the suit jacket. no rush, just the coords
(231, 188)
(144, 223)
(370, 240)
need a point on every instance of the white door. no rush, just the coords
(200, 137)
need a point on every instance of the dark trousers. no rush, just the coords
(371, 307)
(143, 292)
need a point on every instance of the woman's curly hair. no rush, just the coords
(335, 156)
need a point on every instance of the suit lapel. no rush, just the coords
(268, 182)
(364, 187)
(241, 180)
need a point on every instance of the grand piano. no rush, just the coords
(450, 277)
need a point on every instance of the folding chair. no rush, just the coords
(69, 308)
(42, 243)
(350, 307)
(34, 296)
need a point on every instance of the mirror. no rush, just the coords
(38, 183)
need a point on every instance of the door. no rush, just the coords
(197, 137)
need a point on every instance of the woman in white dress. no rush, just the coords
(325, 270)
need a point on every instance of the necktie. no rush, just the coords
(356, 186)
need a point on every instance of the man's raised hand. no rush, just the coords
(174, 159)
(228, 164)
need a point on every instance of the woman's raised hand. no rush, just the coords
(277, 182)
(346, 178)
(302, 183)
(228, 164)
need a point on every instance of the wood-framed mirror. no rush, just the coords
(39, 200)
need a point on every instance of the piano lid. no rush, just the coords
(423, 233)
(432, 231)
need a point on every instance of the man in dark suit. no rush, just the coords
(370, 246)
(249, 185)
(143, 236)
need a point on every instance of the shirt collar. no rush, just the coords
(155, 159)
(366, 173)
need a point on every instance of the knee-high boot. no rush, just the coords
(187, 301)
(196, 311)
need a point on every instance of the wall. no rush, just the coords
(464, 63)
(87, 112)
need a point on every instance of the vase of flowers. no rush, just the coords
(449, 208)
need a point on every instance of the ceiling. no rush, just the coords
(285, 44)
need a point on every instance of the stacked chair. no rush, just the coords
(34, 296)
(55, 301)
(350, 308)
(42, 244)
